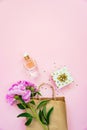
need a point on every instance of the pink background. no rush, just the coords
(50, 31)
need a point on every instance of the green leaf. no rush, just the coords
(24, 104)
(25, 115)
(40, 113)
(42, 119)
(38, 93)
(28, 122)
(42, 103)
(48, 114)
(44, 111)
(32, 102)
(20, 105)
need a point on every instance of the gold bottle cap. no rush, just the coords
(26, 56)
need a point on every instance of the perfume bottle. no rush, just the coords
(31, 66)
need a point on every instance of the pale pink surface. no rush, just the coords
(51, 31)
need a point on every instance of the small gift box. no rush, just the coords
(62, 77)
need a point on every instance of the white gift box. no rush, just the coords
(62, 77)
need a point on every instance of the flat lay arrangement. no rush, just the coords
(43, 113)
(43, 45)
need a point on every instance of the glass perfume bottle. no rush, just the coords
(31, 66)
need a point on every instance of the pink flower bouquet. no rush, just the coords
(22, 93)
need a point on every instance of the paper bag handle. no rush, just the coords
(53, 92)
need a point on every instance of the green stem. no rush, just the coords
(48, 127)
(37, 117)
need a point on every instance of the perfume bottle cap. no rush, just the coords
(26, 56)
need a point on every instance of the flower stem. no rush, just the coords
(48, 127)
(37, 117)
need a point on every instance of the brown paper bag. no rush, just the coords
(58, 120)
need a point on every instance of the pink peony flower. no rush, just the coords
(21, 88)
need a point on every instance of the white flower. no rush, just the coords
(62, 77)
